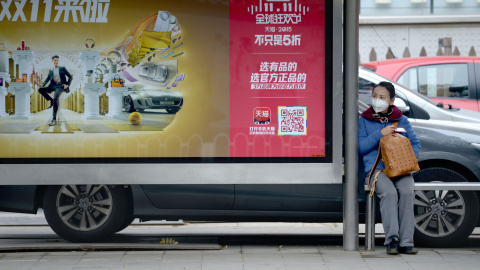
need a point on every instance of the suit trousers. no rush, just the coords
(396, 208)
(58, 89)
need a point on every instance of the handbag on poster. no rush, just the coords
(117, 81)
(397, 154)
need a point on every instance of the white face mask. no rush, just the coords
(379, 105)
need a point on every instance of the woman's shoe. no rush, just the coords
(392, 248)
(408, 250)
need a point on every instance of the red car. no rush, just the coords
(448, 81)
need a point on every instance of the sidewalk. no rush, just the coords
(198, 247)
(245, 258)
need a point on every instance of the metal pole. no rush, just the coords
(370, 224)
(350, 186)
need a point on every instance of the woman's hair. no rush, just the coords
(389, 86)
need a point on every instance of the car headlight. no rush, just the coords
(476, 146)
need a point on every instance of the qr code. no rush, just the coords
(292, 120)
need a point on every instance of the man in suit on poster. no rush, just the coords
(57, 83)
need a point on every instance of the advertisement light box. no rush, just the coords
(167, 81)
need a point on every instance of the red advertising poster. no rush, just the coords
(277, 74)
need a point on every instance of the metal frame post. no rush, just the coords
(370, 223)
(350, 187)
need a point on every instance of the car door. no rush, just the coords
(289, 197)
(476, 66)
(212, 197)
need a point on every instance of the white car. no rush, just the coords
(154, 72)
(415, 106)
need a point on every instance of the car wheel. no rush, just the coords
(129, 218)
(172, 111)
(128, 104)
(443, 217)
(127, 222)
(85, 213)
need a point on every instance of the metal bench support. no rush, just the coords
(370, 222)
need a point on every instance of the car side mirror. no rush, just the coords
(402, 106)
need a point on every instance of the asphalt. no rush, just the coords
(178, 245)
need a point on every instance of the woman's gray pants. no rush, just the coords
(396, 207)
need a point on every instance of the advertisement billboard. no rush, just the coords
(277, 70)
(181, 81)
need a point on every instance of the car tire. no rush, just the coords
(129, 218)
(85, 213)
(172, 111)
(128, 104)
(443, 218)
(127, 222)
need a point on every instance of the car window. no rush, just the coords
(445, 81)
(409, 79)
(365, 88)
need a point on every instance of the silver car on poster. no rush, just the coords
(154, 72)
(140, 100)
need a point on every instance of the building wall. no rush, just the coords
(419, 7)
(382, 33)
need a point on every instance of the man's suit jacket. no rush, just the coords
(63, 74)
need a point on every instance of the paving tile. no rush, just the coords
(146, 252)
(303, 267)
(387, 266)
(223, 263)
(460, 256)
(16, 264)
(110, 267)
(99, 263)
(260, 249)
(140, 265)
(20, 254)
(54, 265)
(330, 248)
(302, 259)
(21, 257)
(179, 265)
(105, 254)
(184, 252)
(349, 266)
(134, 258)
(223, 257)
(436, 266)
(66, 253)
(223, 267)
(464, 265)
(262, 256)
(227, 250)
(264, 267)
(69, 258)
(299, 249)
(175, 260)
(423, 256)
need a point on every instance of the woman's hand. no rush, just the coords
(388, 130)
